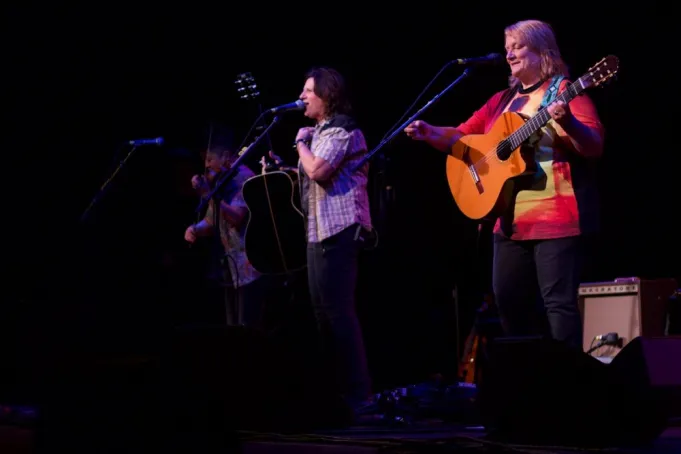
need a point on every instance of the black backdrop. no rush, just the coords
(84, 80)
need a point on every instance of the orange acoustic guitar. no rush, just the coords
(481, 167)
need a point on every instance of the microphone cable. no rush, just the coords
(423, 92)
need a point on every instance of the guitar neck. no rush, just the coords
(542, 117)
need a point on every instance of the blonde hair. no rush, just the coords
(539, 37)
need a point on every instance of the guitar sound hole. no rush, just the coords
(504, 150)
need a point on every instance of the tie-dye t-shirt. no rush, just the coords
(560, 198)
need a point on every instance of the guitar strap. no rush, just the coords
(552, 91)
(549, 96)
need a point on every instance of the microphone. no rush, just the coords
(157, 141)
(298, 105)
(491, 59)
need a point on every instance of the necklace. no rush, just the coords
(530, 89)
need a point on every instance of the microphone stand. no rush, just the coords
(105, 186)
(227, 176)
(385, 141)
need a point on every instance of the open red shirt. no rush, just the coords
(561, 199)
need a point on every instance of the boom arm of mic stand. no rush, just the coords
(105, 186)
(385, 141)
(235, 166)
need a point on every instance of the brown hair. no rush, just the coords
(329, 85)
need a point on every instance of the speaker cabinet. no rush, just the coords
(646, 380)
(630, 307)
(537, 391)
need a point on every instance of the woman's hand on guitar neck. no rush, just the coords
(560, 112)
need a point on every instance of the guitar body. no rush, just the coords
(469, 368)
(275, 234)
(480, 169)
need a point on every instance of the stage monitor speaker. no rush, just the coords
(630, 307)
(537, 391)
(646, 386)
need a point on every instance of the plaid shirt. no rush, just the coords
(341, 200)
(232, 238)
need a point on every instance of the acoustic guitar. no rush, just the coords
(275, 235)
(481, 167)
(470, 369)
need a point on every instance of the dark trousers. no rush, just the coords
(245, 305)
(332, 274)
(546, 271)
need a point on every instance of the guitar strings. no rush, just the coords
(570, 90)
(494, 151)
(276, 232)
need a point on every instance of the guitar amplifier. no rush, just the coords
(630, 307)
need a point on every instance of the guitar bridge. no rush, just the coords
(473, 171)
(476, 179)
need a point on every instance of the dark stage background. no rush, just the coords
(82, 81)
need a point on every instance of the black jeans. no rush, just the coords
(548, 271)
(245, 305)
(332, 273)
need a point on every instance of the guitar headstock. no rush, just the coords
(601, 72)
(247, 88)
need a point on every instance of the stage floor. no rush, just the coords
(422, 437)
